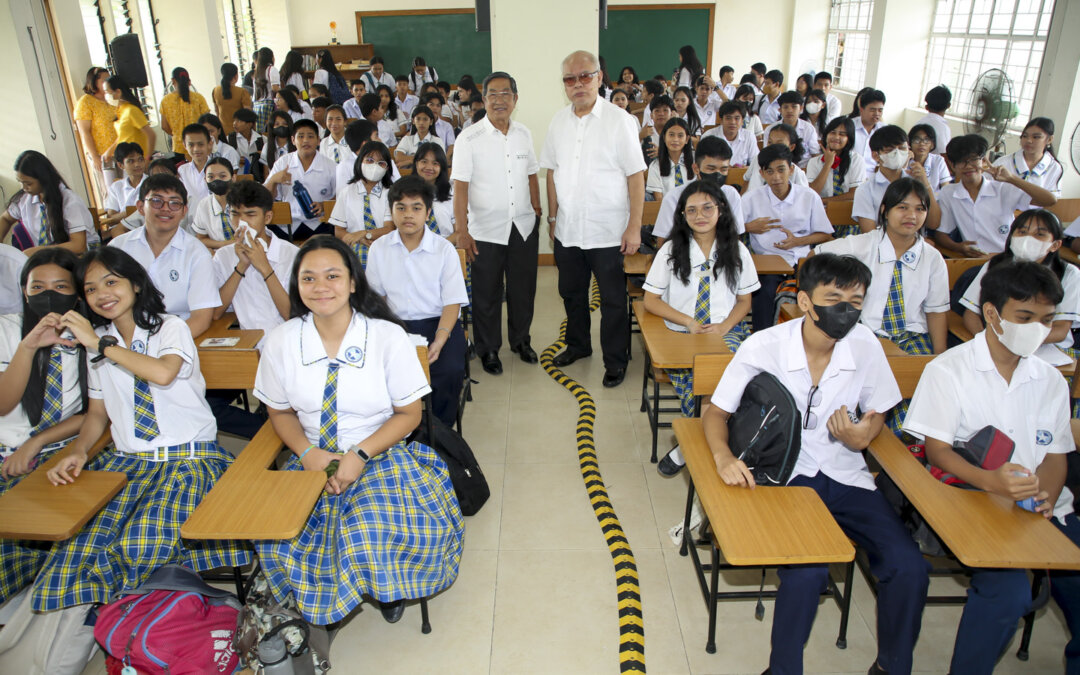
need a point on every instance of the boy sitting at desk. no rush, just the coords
(832, 365)
(991, 380)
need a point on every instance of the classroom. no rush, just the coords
(788, 379)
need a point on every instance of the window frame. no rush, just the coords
(845, 23)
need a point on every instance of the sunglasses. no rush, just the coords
(580, 78)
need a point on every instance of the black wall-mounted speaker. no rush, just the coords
(127, 59)
(483, 16)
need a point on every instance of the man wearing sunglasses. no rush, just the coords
(595, 192)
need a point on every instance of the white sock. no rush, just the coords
(676, 456)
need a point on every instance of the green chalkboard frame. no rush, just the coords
(446, 38)
(648, 37)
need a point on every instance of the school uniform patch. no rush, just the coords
(1043, 437)
(354, 354)
(908, 257)
(1003, 229)
(138, 346)
(174, 275)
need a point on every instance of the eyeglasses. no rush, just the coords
(163, 204)
(372, 161)
(812, 399)
(708, 211)
(580, 78)
(921, 140)
(497, 95)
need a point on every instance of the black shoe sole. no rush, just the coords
(611, 383)
(559, 361)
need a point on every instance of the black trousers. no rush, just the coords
(763, 301)
(576, 268)
(448, 371)
(515, 265)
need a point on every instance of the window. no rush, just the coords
(240, 32)
(848, 46)
(94, 25)
(970, 37)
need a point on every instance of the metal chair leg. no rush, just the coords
(425, 623)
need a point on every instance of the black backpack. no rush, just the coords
(469, 482)
(339, 91)
(766, 432)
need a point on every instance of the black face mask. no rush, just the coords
(837, 320)
(280, 132)
(218, 187)
(717, 178)
(51, 301)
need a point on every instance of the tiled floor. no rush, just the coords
(537, 591)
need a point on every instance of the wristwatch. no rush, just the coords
(552, 219)
(105, 341)
(367, 235)
(360, 452)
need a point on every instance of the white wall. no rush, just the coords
(199, 49)
(274, 25)
(21, 132)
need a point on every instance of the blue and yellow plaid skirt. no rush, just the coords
(137, 532)
(396, 533)
(682, 379)
(915, 344)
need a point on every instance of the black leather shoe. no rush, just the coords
(668, 466)
(491, 363)
(613, 378)
(525, 352)
(567, 356)
(392, 611)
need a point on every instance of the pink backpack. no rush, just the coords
(173, 624)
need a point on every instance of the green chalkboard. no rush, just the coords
(449, 42)
(648, 40)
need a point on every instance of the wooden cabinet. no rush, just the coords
(344, 57)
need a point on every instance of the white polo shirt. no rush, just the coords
(410, 143)
(255, 309)
(707, 113)
(937, 171)
(320, 179)
(754, 180)
(446, 132)
(372, 83)
(941, 131)
(858, 375)
(924, 278)
(868, 195)
(856, 174)
(327, 146)
(862, 141)
(387, 132)
(1067, 310)
(665, 219)
(1046, 174)
(182, 413)
(207, 220)
(183, 272)
(961, 391)
(743, 149)
(682, 297)
(807, 134)
(802, 213)
(223, 149)
(122, 195)
(592, 157)
(194, 182)
(654, 182)
(987, 220)
(352, 109)
(246, 148)
(406, 106)
(833, 111)
(768, 111)
(76, 216)
(12, 261)
(349, 209)
(419, 283)
(15, 426)
(378, 370)
(444, 215)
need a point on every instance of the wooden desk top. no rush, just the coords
(639, 263)
(36, 509)
(766, 525)
(981, 529)
(670, 349)
(229, 367)
(771, 264)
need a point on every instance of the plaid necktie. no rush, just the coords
(50, 412)
(337, 153)
(702, 304)
(431, 224)
(226, 226)
(892, 319)
(837, 183)
(146, 426)
(328, 432)
(369, 224)
(43, 235)
(678, 175)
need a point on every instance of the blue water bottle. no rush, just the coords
(303, 198)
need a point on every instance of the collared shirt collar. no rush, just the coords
(427, 241)
(697, 256)
(774, 200)
(1020, 164)
(178, 242)
(984, 362)
(910, 258)
(353, 349)
(989, 188)
(841, 358)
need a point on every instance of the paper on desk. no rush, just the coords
(418, 340)
(1053, 355)
(220, 342)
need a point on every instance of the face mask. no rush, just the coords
(372, 172)
(51, 301)
(1022, 339)
(894, 160)
(1029, 248)
(280, 132)
(110, 99)
(218, 187)
(716, 178)
(813, 108)
(837, 320)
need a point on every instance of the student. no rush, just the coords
(292, 68)
(783, 219)
(856, 102)
(147, 390)
(781, 134)
(712, 160)
(992, 381)
(421, 73)
(362, 214)
(131, 123)
(661, 111)
(922, 139)
(354, 408)
(650, 90)
(893, 159)
(376, 75)
(371, 110)
(229, 98)
(198, 145)
(1035, 236)
(804, 84)
(125, 192)
(823, 81)
(690, 68)
(176, 261)
(767, 106)
(266, 81)
(318, 113)
(309, 168)
(684, 109)
(327, 75)
(725, 86)
(700, 282)
(219, 148)
(673, 165)
(391, 112)
(285, 101)
(48, 212)
(831, 366)
(12, 261)
(279, 139)
(871, 106)
(476, 110)
(315, 90)
(981, 205)
(837, 171)
(705, 103)
(1035, 161)
(405, 100)
(180, 109)
(791, 108)
(443, 130)
(622, 100)
(333, 146)
(630, 83)
(938, 100)
(213, 225)
(431, 165)
(421, 132)
(248, 143)
(160, 166)
(744, 147)
(757, 77)
(815, 111)
(352, 107)
(751, 120)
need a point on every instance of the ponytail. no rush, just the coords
(228, 72)
(183, 83)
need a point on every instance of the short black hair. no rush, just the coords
(411, 186)
(195, 129)
(938, 99)
(125, 150)
(724, 70)
(759, 68)
(889, 136)
(712, 146)
(729, 108)
(823, 75)
(353, 83)
(320, 89)
(305, 123)
(962, 148)
(246, 115)
(661, 101)
(923, 128)
(162, 163)
(1019, 280)
(771, 153)
(790, 97)
(357, 133)
(369, 103)
(220, 161)
(376, 59)
(249, 193)
(321, 102)
(653, 87)
(433, 96)
(842, 271)
(775, 76)
(872, 96)
(163, 182)
(401, 77)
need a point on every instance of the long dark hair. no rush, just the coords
(362, 300)
(365, 150)
(691, 62)
(823, 114)
(326, 62)
(897, 192)
(33, 398)
(391, 107)
(855, 104)
(271, 142)
(423, 110)
(183, 83)
(793, 138)
(149, 304)
(261, 78)
(748, 108)
(442, 181)
(37, 166)
(727, 256)
(228, 72)
(291, 66)
(290, 99)
(665, 159)
(692, 118)
(117, 82)
(845, 153)
(1052, 223)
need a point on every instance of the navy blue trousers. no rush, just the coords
(998, 599)
(895, 561)
(448, 371)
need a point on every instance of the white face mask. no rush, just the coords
(813, 108)
(1022, 339)
(894, 160)
(110, 99)
(1028, 248)
(372, 172)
